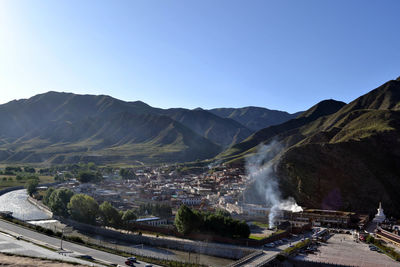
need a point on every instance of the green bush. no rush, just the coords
(48, 231)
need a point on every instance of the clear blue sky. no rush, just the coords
(285, 55)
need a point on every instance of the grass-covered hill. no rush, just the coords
(60, 127)
(247, 146)
(347, 159)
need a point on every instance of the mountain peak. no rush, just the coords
(386, 96)
(322, 108)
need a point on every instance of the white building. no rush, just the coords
(191, 201)
(380, 216)
(153, 221)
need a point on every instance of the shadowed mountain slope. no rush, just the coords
(254, 118)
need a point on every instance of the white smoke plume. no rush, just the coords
(260, 170)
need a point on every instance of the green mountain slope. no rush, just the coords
(59, 127)
(323, 108)
(23, 115)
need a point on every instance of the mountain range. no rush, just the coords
(333, 155)
(58, 128)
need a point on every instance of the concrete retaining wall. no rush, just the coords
(40, 206)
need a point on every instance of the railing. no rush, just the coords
(246, 258)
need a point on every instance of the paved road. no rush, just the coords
(97, 254)
(10, 244)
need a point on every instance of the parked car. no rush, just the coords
(269, 245)
(86, 257)
(131, 259)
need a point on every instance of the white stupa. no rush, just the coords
(380, 216)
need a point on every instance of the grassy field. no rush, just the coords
(261, 225)
(256, 237)
(10, 181)
(260, 237)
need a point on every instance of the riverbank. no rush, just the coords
(11, 181)
(17, 202)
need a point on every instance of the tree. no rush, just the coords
(223, 212)
(92, 166)
(58, 201)
(370, 239)
(127, 174)
(47, 195)
(128, 216)
(31, 185)
(109, 214)
(185, 220)
(10, 170)
(88, 176)
(83, 208)
(29, 169)
(242, 229)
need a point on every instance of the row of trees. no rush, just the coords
(220, 223)
(13, 170)
(83, 208)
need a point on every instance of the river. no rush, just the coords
(17, 202)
